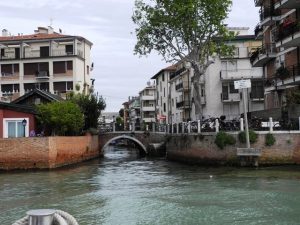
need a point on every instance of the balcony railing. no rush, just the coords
(265, 49)
(258, 30)
(286, 30)
(177, 73)
(42, 75)
(268, 11)
(37, 54)
(183, 104)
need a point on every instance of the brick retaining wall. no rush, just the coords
(46, 152)
(202, 150)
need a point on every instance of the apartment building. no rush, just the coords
(47, 60)
(279, 54)
(148, 104)
(180, 93)
(163, 110)
(218, 95)
(134, 112)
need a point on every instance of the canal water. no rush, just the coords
(124, 189)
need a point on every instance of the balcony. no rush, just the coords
(183, 86)
(258, 31)
(42, 75)
(148, 98)
(258, 3)
(288, 35)
(268, 16)
(230, 97)
(183, 105)
(257, 97)
(287, 4)
(286, 76)
(263, 55)
(149, 119)
(177, 73)
(148, 108)
(227, 75)
(9, 76)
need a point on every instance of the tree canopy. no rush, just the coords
(60, 118)
(91, 106)
(190, 31)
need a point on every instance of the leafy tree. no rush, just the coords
(60, 118)
(184, 31)
(91, 106)
(121, 113)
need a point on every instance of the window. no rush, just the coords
(165, 107)
(44, 51)
(173, 102)
(9, 69)
(13, 128)
(87, 70)
(257, 89)
(160, 84)
(229, 65)
(69, 49)
(164, 92)
(163, 77)
(232, 89)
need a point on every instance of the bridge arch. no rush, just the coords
(140, 144)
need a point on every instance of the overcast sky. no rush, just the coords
(107, 23)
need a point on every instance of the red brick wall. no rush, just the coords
(46, 152)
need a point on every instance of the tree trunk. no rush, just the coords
(197, 91)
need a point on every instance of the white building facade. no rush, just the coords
(220, 96)
(162, 80)
(148, 105)
(46, 60)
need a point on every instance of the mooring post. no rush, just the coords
(189, 127)
(199, 127)
(217, 125)
(41, 216)
(271, 124)
(241, 124)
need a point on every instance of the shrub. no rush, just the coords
(252, 136)
(223, 139)
(269, 139)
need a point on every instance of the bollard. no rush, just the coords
(147, 127)
(271, 124)
(217, 125)
(189, 127)
(199, 127)
(41, 216)
(114, 127)
(241, 124)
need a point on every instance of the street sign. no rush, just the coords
(240, 84)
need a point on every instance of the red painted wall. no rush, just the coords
(5, 113)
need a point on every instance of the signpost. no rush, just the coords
(244, 84)
(247, 154)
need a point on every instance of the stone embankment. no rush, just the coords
(201, 149)
(47, 152)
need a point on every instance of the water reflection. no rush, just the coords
(123, 188)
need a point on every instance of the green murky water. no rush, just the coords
(124, 189)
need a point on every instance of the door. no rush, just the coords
(17, 53)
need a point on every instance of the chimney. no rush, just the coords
(50, 30)
(4, 33)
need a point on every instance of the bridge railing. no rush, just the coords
(211, 125)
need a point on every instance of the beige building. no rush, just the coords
(46, 60)
(148, 104)
(279, 54)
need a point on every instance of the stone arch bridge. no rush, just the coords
(148, 143)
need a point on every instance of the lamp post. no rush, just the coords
(24, 123)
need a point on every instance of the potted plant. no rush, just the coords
(283, 72)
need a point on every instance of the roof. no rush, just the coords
(169, 68)
(17, 107)
(44, 94)
(40, 36)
